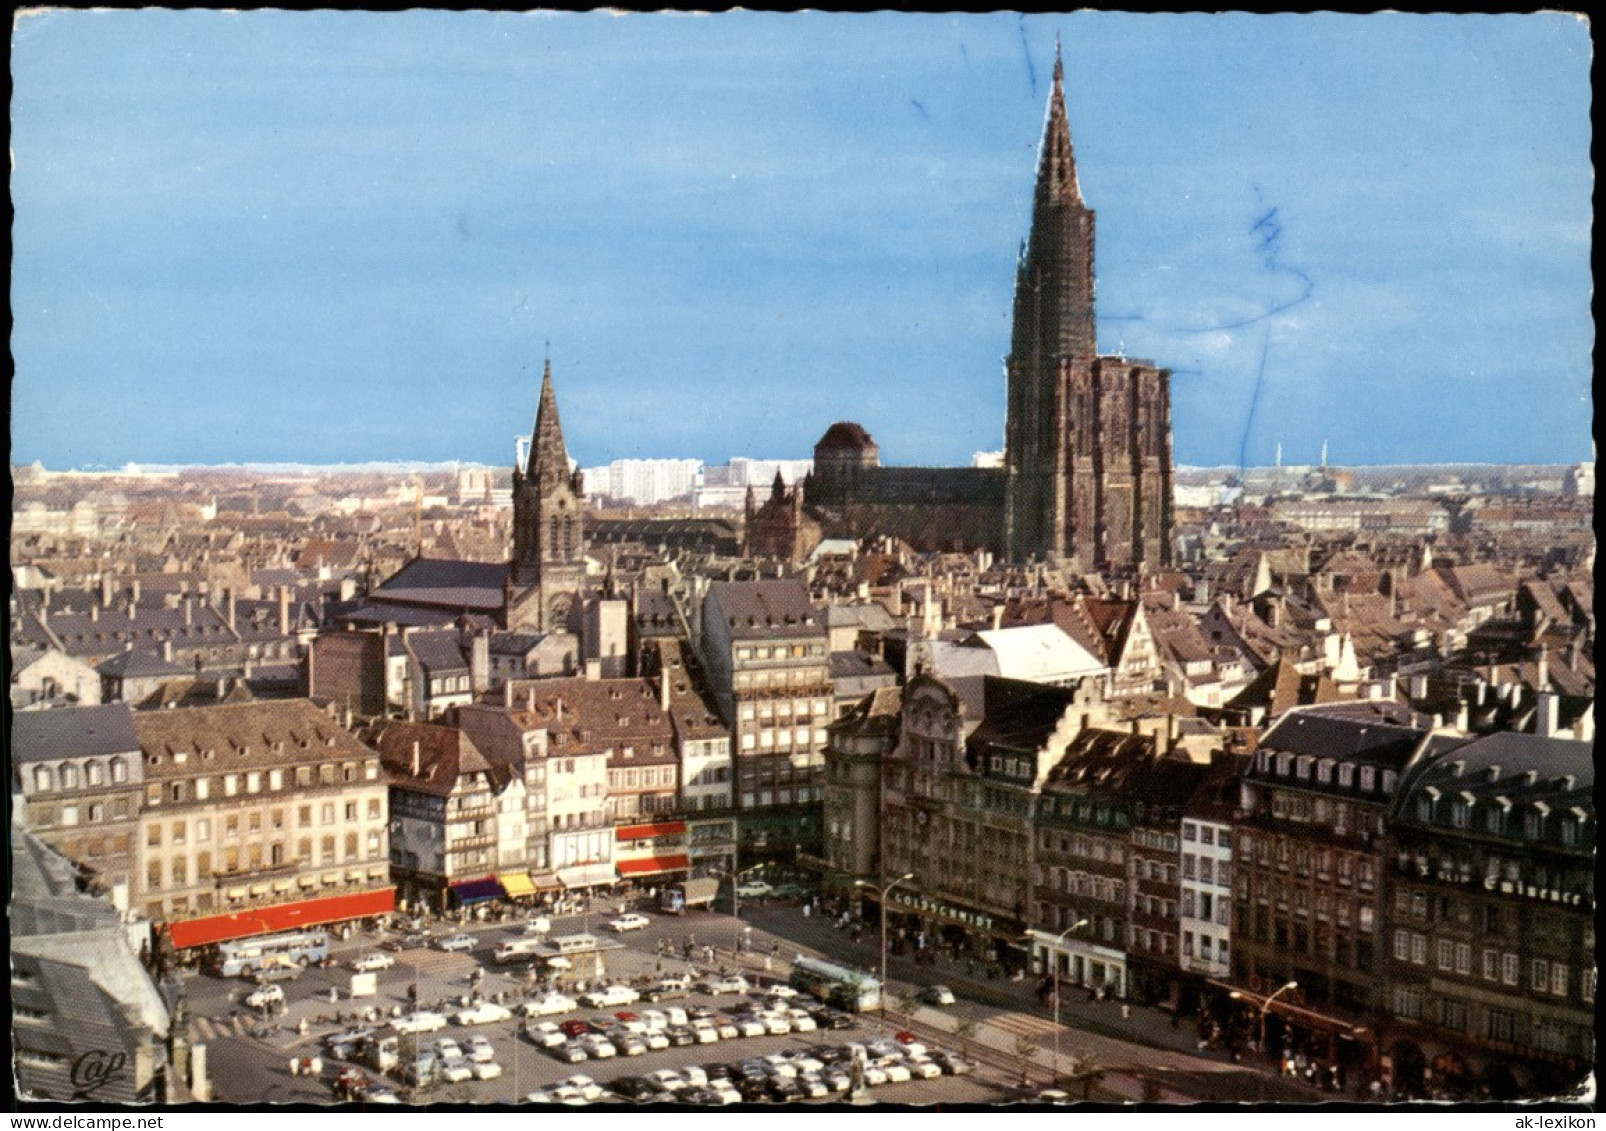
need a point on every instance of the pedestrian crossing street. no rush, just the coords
(211, 1028)
(1021, 1024)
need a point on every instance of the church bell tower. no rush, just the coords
(548, 565)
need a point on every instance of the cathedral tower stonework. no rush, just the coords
(548, 565)
(1087, 444)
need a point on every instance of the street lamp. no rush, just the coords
(1055, 964)
(881, 893)
(735, 878)
(1265, 1006)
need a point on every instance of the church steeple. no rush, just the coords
(1056, 168)
(548, 563)
(549, 457)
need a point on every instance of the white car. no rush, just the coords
(485, 1013)
(656, 1039)
(735, 984)
(802, 1022)
(448, 1046)
(454, 1070)
(597, 1046)
(874, 1075)
(587, 1087)
(725, 1092)
(378, 960)
(923, 1068)
(540, 925)
(479, 1050)
(486, 1069)
(263, 996)
(420, 1022)
(544, 1034)
(695, 1076)
(753, 889)
(707, 1034)
(549, 1005)
(609, 996)
(776, 1025)
(750, 1026)
(629, 922)
(896, 1072)
(667, 1079)
(455, 942)
(780, 990)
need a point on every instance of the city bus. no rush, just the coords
(847, 989)
(247, 956)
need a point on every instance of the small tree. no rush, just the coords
(1086, 1068)
(965, 1029)
(1026, 1047)
(908, 1000)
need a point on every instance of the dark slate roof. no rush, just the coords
(764, 609)
(515, 643)
(447, 583)
(1348, 736)
(376, 612)
(1018, 714)
(140, 665)
(859, 665)
(439, 651)
(73, 732)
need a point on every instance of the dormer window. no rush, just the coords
(1368, 779)
(1346, 775)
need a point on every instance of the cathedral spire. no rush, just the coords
(549, 458)
(1056, 169)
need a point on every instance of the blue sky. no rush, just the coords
(335, 237)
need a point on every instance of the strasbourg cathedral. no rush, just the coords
(1086, 481)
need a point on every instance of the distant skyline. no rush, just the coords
(344, 237)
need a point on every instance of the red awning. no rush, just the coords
(647, 832)
(282, 917)
(654, 865)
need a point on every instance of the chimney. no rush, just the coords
(415, 758)
(1542, 681)
(559, 702)
(998, 617)
(228, 605)
(1463, 718)
(134, 592)
(1547, 719)
(284, 610)
(133, 611)
(529, 704)
(94, 612)
(106, 593)
(663, 689)
(189, 612)
(167, 651)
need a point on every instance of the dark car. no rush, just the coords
(637, 1089)
(952, 1063)
(723, 1071)
(680, 1036)
(753, 1090)
(784, 1090)
(697, 1096)
(828, 1018)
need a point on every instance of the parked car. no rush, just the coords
(681, 1035)
(632, 921)
(628, 1043)
(279, 972)
(378, 960)
(455, 1069)
(421, 1022)
(570, 1052)
(656, 1039)
(705, 1032)
(448, 1046)
(264, 996)
(544, 1034)
(588, 1088)
(479, 1050)
(637, 1089)
(937, 995)
(736, 984)
(406, 942)
(753, 889)
(953, 1063)
(923, 1067)
(575, 1027)
(458, 942)
(598, 1047)
(485, 1069)
(812, 1086)
(609, 996)
(667, 1079)
(485, 1013)
(549, 1004)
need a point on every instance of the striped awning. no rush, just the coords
(516, 884)
(587, 875)
(546, 881)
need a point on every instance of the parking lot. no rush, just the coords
(257, 1058)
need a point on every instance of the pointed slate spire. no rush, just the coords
(1056, 168)
(549, 458)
